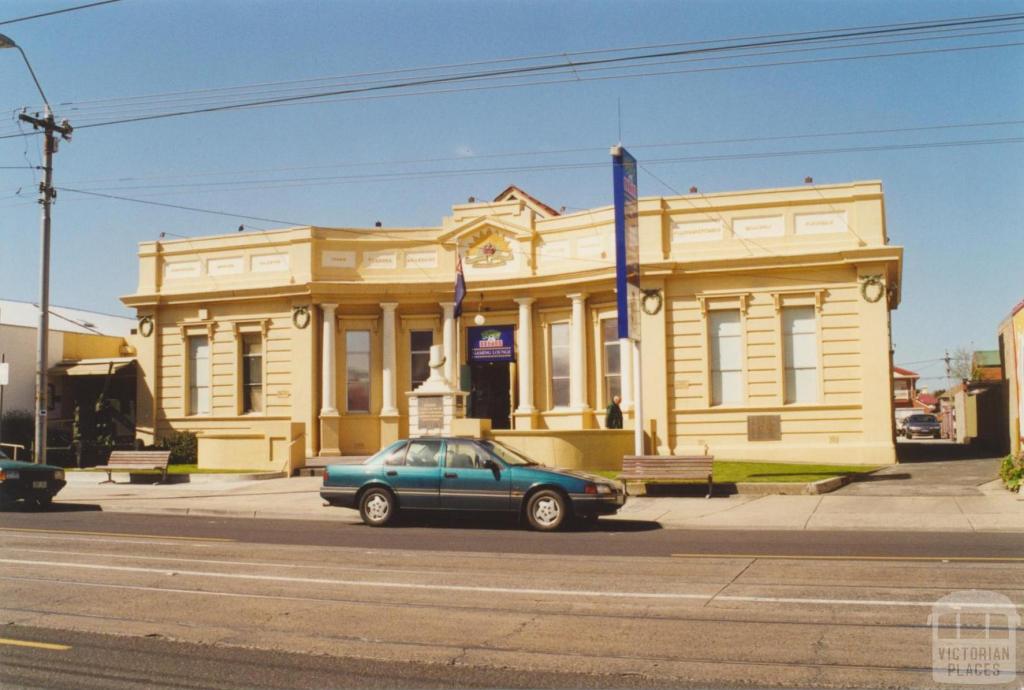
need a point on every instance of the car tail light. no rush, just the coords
(590, 489)
(324, 475)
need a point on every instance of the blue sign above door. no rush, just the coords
(492, 344)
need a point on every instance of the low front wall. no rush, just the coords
(270, 444)
(798, 453)
(572, 449)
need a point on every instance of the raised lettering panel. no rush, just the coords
(762, 226)
(178, 270)
(380, 260)
(228, 265)
(338, 259)
(697, 231)
(421, 259)
(268, 263)
(820, 223)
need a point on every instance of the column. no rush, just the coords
(525, 352)
(577, 353)
(389, 371)
(329, 358)
(448, 338)
(330, 420)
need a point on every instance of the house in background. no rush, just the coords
(1011, 355)
(987, 365)
(88, 355)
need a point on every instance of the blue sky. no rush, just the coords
(956, 210)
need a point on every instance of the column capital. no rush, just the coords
(327, 307)
(389, 306)
(578, 296)
(524, 301)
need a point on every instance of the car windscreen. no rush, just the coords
(379, 456)
(923, 418)
(506, 454)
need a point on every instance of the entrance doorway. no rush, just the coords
(490, 393)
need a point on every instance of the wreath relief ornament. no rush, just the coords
(146, 326)
(872, 288)
(651, 302)
(301, 317)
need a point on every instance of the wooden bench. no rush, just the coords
(663, 467)
(128, 460)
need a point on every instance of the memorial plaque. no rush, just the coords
(431, 413)
(764, 427)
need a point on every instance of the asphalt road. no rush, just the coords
(490, 534)
(168, 602)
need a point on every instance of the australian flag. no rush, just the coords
(460, 286)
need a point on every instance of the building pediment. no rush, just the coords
(484, 224)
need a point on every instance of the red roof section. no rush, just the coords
(928, 399)
(905, 372)
(513, 191)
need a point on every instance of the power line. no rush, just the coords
(66, 9)
(549, 67)
(550, 152)
(236, 185)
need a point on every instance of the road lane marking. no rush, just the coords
(786, 557)
(111, 534)
(612, 594)
(35, 645)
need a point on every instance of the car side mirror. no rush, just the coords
(492, 466)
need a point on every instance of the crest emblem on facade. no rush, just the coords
(491, 250)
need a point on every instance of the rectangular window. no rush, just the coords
(357, 353)
(726, 357)
(252, 373)
(560, 364)
(800, 344)
(419, 349)
(199, 375)
(612, 362)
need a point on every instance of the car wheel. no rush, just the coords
(546, 510)
(377, 507)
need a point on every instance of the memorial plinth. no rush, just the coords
(434, 405)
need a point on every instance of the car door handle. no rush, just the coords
(392, 473)
(451, 475)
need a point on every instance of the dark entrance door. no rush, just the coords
(489, 393)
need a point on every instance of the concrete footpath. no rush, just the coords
(984, 506)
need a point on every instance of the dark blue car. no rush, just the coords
(471, 475)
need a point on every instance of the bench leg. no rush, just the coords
(709, 487)
(108, 479)
(163, 475)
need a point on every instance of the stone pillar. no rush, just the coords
(330, 421)
(388, 372)
(329, 357)
(525, 352)
(448, 338)
(578, 353)
(389, 378)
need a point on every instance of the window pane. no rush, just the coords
(358, 367)
(613, 386)
(611, 358)
(359, 396)
(560, 392)
(357, 341)
(420, 341)
(420, 369)
(801, 385)
(199, 375)
(800, 345)
(252, 345)
(610, 330)
(727, 388)
(726, 357)
(424, 453)
(396, 457)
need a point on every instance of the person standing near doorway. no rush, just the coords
(613, 415)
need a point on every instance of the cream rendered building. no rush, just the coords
(765, 332)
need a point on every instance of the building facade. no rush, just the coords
(765, 330)
(1011, 349)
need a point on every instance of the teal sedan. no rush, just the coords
(460, 474)
(36, 484)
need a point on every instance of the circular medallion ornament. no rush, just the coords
(146, 326)
(872, 288)
(301, 317)
(651, 302)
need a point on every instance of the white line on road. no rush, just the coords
(492, 590)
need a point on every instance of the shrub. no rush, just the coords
(183, 446)
(19, 427)
(1011, 473)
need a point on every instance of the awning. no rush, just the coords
(92, 367)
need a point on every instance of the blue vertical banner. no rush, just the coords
(627, 243)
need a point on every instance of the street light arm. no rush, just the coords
(33, 73)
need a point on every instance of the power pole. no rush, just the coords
(46, 196)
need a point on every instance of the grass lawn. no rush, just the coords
(727, 471)
(178, 469)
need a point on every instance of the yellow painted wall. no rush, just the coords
(92, 346)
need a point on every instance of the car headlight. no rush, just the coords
(59, 474)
